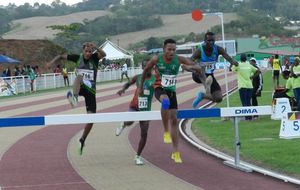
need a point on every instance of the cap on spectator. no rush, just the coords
(252, 59)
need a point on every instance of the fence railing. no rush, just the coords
(56, 80)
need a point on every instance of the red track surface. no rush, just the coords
(39, 160)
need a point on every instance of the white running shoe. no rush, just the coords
(72, 99)
(138, 160)
(120, 128)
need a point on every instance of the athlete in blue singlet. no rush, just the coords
(207, 56)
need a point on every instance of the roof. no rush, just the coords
(5, 59)
(258, 45)
(114, 51)
(273, 52)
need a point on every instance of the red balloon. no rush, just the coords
(197, 15)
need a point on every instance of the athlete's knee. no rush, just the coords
(218, 99)
(165, 103)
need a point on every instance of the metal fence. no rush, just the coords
(56, 80)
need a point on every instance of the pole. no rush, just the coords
(225, 67)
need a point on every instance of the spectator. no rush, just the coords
(32, 76)
(7, 72)
(37, 71)
(23, 70)
(65, 75)
(124, 72)
(296, 82)
(245, 74)
(276, 65)
(57, 69)
(257, 83)
(286, 92)
(17, 71)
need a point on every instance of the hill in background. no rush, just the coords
(29, 52)
(35, 27)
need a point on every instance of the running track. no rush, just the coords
(41, 157)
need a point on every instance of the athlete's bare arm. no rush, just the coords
(56, 58)
(127, 85)
(188, 65)
(196, 55)
(149, 66)
(222, 52)
(100, 53)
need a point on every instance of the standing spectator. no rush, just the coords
(245, 74)
(17, 71)
(296, 82)
(124, 72)
(65, 75)
(23, 70)
(7, 72)
(57, 69)
(31, 75)
(276, 65)
(257, 83)
(37, 71)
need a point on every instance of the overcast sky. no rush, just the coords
(31, 2)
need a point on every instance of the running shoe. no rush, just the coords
(72, 99)
(81, 145)
(167, 138)
(176, 157)
(197, 99)
(120, 128)
(138, 160)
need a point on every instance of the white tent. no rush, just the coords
(114, 52)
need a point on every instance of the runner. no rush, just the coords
(85, 81)
(166, 66)
(139, 103)
(207, 55)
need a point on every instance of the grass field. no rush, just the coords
(260, 142)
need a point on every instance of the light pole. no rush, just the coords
(220, 15)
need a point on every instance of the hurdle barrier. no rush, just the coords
(234, 112)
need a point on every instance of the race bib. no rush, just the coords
(168, 80)
(143, 102)
(209, 67)
(86, 74)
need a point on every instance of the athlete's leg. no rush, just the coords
(174, 129)
(91, 107)
(144, 125)
(77, 84)
(126, 74)
(162, 97)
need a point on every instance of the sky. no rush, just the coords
(31, 2)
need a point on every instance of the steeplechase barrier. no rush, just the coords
(232, 112)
